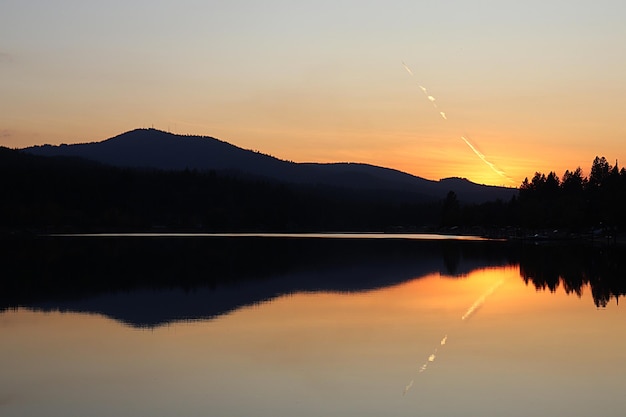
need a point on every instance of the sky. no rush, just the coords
(523, 86)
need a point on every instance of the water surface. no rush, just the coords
(341, 329)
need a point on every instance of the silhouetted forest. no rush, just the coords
(64, 194)
(573, 204)
(52, 194)
(575, 201)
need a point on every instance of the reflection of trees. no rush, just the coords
(461, 258)
(451, 255)
(43, 269)
(55, 272)
(573, 267)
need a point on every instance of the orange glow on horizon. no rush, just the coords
(431, 154)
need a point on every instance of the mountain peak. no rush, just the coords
(152, 135)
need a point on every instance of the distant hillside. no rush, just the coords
(150, 148)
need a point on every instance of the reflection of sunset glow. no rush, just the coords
(481, 300)
(359, 349)
(470, 311)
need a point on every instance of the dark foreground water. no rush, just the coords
(260, 326)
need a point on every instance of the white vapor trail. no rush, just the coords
(406, 67)
(484, 159)
(408, 387)
(480, 155)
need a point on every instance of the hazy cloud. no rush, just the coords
(5, 57)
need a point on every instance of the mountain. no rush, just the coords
(154, 149)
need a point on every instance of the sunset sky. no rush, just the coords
(531, 86)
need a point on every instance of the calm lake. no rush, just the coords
(316, 326)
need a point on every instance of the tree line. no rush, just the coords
(575, 201)
(571, 203)
(59, 194)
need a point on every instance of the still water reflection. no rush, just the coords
(385, 330)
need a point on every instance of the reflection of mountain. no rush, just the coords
(153, 281)
(149, 282)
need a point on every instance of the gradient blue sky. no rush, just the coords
(533, 85)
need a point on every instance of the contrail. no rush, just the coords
(444, 117)
(484, 159)
(406, 67)
(408, 387)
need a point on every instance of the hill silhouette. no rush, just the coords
(155, 149)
